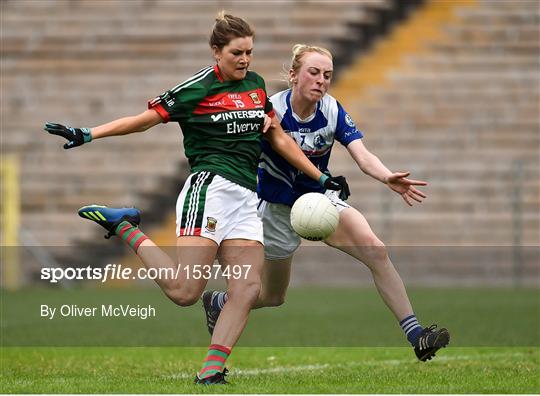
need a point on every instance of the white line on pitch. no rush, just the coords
(273, 370)
(317, 367)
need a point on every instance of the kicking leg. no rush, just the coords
(123, 222)
(355, 237)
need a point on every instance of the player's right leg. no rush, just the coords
(111, 218)
(175, 283)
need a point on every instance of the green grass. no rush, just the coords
(317, 317)
(270, 370)
(320, 341)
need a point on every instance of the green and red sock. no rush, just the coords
(130, 234)
(214, 361)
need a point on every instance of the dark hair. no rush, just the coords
(228, 27)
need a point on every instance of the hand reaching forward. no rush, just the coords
(399, 183)
(75, 136)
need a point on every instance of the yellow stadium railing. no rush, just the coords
(10, 220)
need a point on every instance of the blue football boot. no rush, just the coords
(110, 218)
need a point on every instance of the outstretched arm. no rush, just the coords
(127, 125)
(285, 146)
(371, 165)
(121, 126)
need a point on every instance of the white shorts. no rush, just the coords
(280, 240)
(218, 209)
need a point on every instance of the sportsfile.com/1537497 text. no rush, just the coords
(119, 272)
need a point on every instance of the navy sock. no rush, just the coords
(218, 300)
(411, 328)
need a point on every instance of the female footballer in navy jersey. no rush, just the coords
(315, 120)
(223, 111)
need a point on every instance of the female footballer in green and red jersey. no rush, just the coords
(223, 111)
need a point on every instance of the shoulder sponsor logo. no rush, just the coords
(167, 98)
(349, 121)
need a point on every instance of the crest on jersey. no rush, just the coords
(349, 121)
(255, 98)
(211, 223)
(319, 142)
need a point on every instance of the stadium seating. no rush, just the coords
(459, 108)
(87, 62)
(461, 113)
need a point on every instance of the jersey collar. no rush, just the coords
(295, 116)
(218, 73)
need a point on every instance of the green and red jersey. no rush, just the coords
(222, 122)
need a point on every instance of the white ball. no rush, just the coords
(314, 217)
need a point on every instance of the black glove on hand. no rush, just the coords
(76, 136)
(337, 183)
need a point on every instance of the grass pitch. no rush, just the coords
(320, 341)
(270, 370)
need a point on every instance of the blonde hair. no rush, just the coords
(298, 52)
(228, 27)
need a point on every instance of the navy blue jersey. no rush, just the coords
(280, 182)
